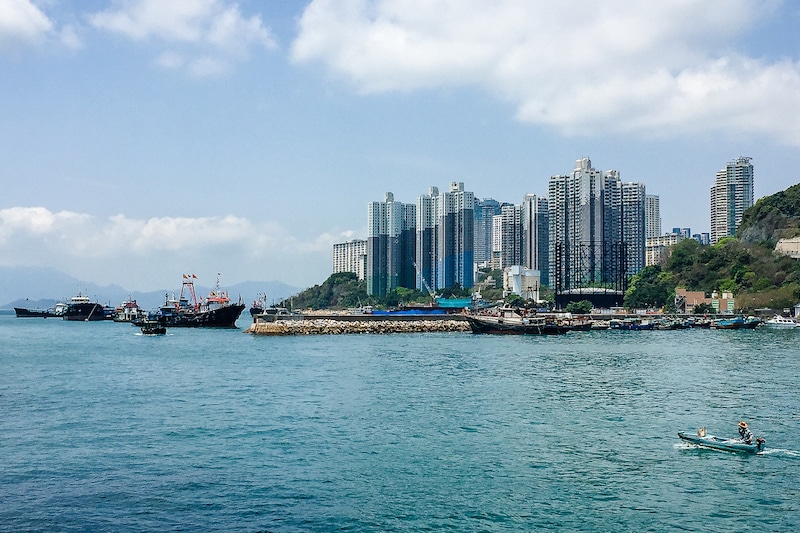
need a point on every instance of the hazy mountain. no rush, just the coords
(41, 287)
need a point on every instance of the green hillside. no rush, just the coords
(772, 218)
(745, 265)
(343, 291)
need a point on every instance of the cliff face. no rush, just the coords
(772, 218)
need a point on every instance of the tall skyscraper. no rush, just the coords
(391, 246)
(507, 236)
(634, 225)
(652, 216)
(731, 195)
(623, 223)
(575, 204)
(484, 211)
(536, 236)
(445, 238)
(597, 228)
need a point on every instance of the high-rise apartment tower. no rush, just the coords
(731, 195)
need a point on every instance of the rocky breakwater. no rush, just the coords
(332, 326)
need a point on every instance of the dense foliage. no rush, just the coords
(747, 266)
(583, 307)
(650, 288)
(754, 273)
(772, 218)
(344, 290)
(339, 291)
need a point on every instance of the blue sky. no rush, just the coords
(141, 139)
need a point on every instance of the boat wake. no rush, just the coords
(769, 451)
(780, 451)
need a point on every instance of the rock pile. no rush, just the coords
(321, 326)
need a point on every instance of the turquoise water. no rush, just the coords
(104, 429)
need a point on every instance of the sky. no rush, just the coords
(144, 139)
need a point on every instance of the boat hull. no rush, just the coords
(735, 323)
(153, 328)
(500, 326)
(34, 313)
(780, 322)
(224, 317)
(728, 445)
(83, 312)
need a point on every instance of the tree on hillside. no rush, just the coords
(339, 291)
(649, 288)
(703, 309)
(583, 307)
(772, 217)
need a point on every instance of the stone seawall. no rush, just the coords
(324, 326)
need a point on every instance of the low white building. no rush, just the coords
(350, 256)
(790, 247)
(656, 246)
(522, 282)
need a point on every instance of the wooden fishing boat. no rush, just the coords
(506, 325)
(729, 445)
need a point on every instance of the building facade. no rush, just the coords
(789, 247)
(686, 301)
(351, 256)
(596, 228)
(522, 282)
(702, 238)
(575, 204)
(391, 246)
(484, 211)
(731, 195)
(507, 237)
(445, 239)
(634, 225)
(652, 216)
(656, 248)
(536, 236)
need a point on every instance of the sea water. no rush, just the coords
(104, 429)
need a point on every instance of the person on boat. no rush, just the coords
(745, 433)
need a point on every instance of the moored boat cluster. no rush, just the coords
(500, 321)
(217, 310)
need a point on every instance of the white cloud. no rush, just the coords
(657, 68)
(144, 253)
(69, 37)
(204, 36)
(21, 22)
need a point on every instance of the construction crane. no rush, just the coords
(425, 283)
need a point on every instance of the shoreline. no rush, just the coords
(342, 324)
(355, 325)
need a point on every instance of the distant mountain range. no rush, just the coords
(42, 287)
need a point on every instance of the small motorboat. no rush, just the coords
(729, 445)
(780, 322)
(153, 327)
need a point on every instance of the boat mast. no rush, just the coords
(188, 282)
